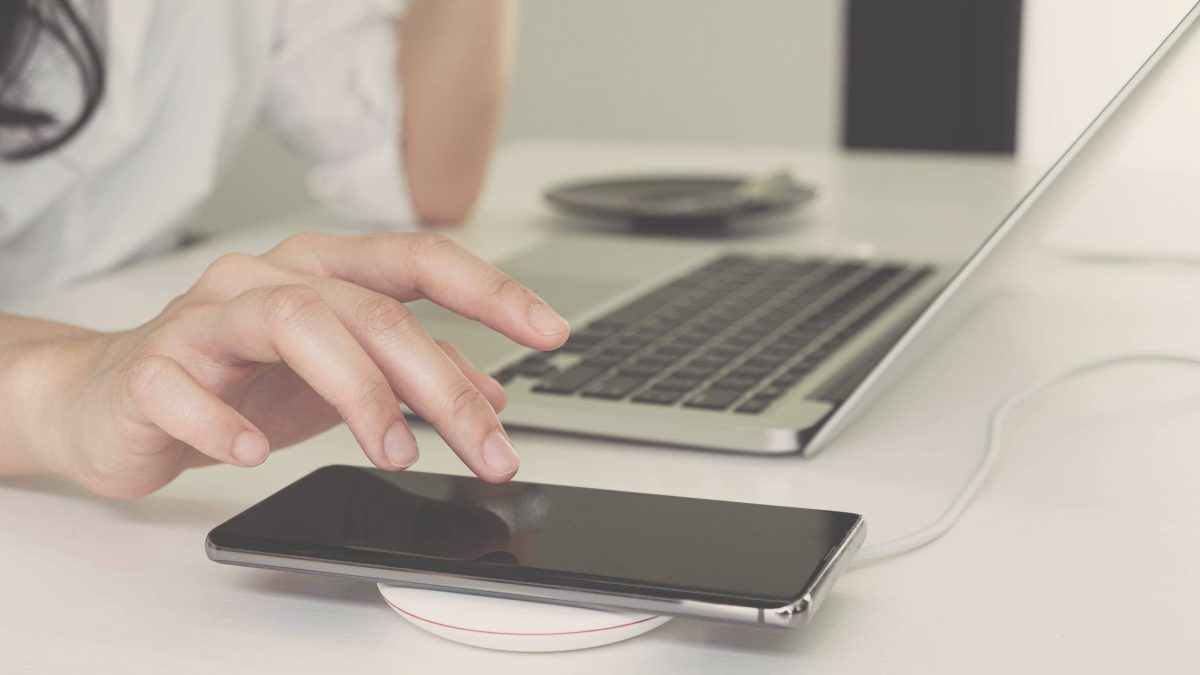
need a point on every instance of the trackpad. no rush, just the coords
(571, 297)
(574, 297)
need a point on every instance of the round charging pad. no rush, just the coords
(514, 625)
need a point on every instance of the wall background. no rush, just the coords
(737, 71)
(1075, 55)
(764, 71)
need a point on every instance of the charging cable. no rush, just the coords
(873, 553)
(1165, 258)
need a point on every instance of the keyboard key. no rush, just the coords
(714, 399)
(753, 406)
(639, 369)
(601, 361)
(603, 326)
(706, 361)
(697, 372)
(614, 387)
(738, 341)
(765, 360)
(671, 349)
(752, 372)
(582, 342)
(725, 354)
(793, 375)
(659, 396)
(787, 379)
(687, 340)
(637, 339)
(710, 323)
(679, 383)
(786, 347)
(535, 369)
(771, 392)
(569, 380)
(645, 306)
(653, 361)
(618, 349)
(734, 383)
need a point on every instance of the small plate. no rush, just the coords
(663, 200)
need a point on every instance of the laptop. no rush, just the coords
(697, 345)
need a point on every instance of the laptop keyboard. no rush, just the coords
(737, 334)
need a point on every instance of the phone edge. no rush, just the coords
(792, 615)
(801, 612)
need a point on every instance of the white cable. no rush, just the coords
(1156, 258)
(875, 552)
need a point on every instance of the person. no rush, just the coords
(115, 119)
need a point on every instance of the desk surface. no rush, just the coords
(1080, 555)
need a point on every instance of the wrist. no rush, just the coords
(40, 382)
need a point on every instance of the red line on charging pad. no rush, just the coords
(498, 632)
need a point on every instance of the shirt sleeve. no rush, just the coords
(333, 94)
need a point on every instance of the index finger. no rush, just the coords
(425, 265)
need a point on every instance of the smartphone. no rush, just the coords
(718, 560)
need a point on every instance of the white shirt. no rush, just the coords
(186, 80)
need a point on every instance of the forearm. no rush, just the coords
(455, 58)
(35, 357)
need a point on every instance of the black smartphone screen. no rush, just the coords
(686, 549)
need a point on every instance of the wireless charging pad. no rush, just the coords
(514, 625)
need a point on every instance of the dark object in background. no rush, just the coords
(932, 74)
(680, 203)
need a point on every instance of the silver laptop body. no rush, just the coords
(898, 310)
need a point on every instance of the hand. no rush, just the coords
(264, 351)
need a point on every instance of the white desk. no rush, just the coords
(1081, 555)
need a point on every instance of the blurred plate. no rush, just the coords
(684, 199)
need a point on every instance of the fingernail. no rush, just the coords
(545, 320)
(399, 446)
(499, 454)
(250, 448)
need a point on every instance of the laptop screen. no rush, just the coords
(1093, 165)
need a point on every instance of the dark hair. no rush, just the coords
(27, 130)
